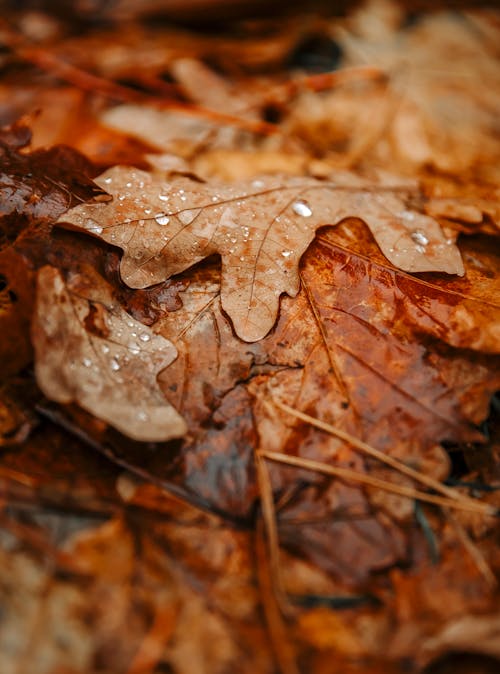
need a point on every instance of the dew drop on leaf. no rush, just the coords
(144, 337)
(187, 217)
(417, 236)
(114, 364)
(93, 226)
(162, 219)
(302, 208)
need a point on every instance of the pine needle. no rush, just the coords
(354, 476)
(384, 458)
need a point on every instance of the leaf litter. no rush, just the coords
(359, 347)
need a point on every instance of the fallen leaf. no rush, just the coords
(41, 185)
(260, 229)
(88, 350)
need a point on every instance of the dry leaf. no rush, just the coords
(88, 350)
(260, 229)
(445, 115)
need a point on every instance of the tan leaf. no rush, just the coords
(260, 229)
(88, 350)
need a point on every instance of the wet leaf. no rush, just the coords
(260, 229)
(90, 351)
(40, 185)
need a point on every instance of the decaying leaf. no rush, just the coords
(90, 351)
(260, 229)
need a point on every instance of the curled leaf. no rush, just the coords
(88, 350)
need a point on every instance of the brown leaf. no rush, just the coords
(90, 351)
(429, 111)
(260, 229)
(41, 185)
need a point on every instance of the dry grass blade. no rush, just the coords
(377, 454)
(353, 476)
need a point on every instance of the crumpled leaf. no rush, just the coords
(88, 350)
(260, 229)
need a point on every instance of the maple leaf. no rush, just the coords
(260, 229)
(90, 351)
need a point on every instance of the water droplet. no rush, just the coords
(108, 181)
(417, 236)
(93, 226)
(187, 217)
(144, 337)
(87, 362)
(286, 253)
(233, 240)
(419, 248)
(215, 199)
(121, 197)
(142, 416)
(134, 350)
(242, 259)
(128, 184)
(114, 365)
(147, 211)
(408, 215)
(162, 219)
(302, 208)
(105, 348)
(258, 184)
(163, 197)
(183, 197)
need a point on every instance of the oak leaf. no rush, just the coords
(90, 351)
(260, 229)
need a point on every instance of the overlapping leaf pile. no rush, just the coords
(227, 312)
